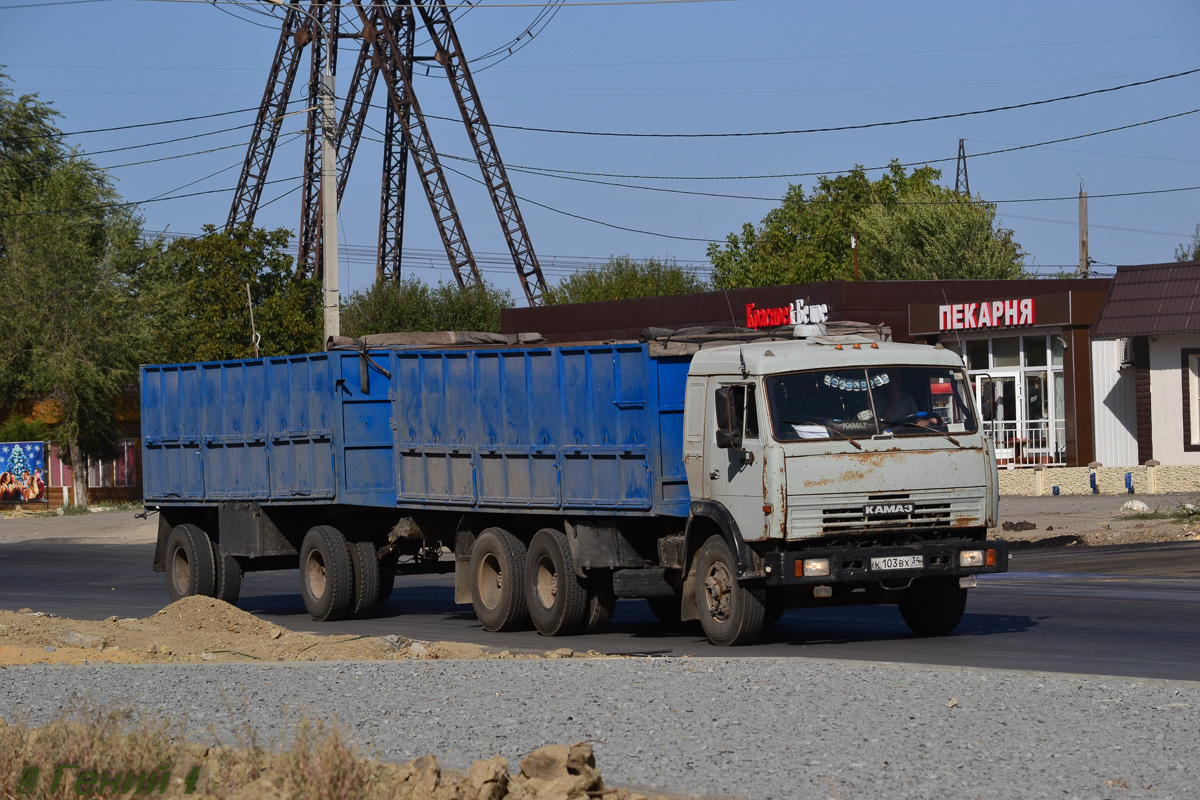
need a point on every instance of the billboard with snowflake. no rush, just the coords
(22, 466)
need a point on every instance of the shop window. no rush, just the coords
(1057, 345)
(1006, 351)
(1035, 351)
(977, 355)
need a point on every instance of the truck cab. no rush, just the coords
(839, 470)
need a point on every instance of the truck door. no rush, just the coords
(733, 455)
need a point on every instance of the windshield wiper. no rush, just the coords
(931, 430)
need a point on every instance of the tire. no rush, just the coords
(387, 580)
(498, 581)
(558, 601)
(364, 558)
(731, 612)
(933, 606)
(326, 574)
(601, 603)
(190, 568)
(228, 578)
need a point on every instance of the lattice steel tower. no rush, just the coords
(387, 34)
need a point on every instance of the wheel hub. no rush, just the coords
(718, 585)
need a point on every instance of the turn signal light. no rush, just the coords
(991, 558)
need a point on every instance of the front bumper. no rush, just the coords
(854, 564)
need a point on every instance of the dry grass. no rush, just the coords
(135, 750)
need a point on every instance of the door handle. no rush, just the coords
(714, 474)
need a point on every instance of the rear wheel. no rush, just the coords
(498, 581)
(326, 574)
(228, 578)
(190, 568)
(387, 579)
(558, 602)
(933, 606)
(601, 603)
(731, 612)
(365, 561)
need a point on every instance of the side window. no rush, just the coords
(737, 412)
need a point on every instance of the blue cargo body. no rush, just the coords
(587, 430)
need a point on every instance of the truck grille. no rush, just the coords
(817, 515)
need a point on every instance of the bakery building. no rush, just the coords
(1025, 342)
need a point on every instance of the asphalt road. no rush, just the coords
(1127, 610)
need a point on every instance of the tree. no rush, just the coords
(412, 305)
(1189, 251)
(194, 295)
(933, 234)
(70, 324)
(623, 278)
(808, 237)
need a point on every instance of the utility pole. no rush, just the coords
(331, 296)
(1084, 261)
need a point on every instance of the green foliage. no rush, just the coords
(935, 234)
(18, 429)
(1189, 251)
(70, 324)
(194, 298)
(623, 278)
(910, 228)
(411, 305)
(30, 144)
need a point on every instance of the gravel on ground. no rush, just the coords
(731, 727)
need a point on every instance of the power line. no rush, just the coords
(858, 127)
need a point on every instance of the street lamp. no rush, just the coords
(330, 294)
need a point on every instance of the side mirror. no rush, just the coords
(729, 432)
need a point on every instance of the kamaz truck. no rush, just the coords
(722, 476)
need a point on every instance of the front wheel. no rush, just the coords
(731, 612)
(190, 567)
(558, 601)
(933, 606)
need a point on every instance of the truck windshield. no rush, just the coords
(861, 403)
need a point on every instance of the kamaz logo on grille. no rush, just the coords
(887, 509)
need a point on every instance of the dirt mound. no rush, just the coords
(204, 629)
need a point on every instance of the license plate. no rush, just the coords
(898, 562)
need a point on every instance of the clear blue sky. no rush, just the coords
(741, 66)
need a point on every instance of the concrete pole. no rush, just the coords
(1084, 261)
(331, 296)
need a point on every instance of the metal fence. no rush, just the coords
(1028, 444)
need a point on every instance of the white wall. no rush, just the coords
(1114, 409)
(1166, 396)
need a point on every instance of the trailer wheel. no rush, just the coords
(731, 612)
(189, 563)
(601, 603)
(365, 561)
(558, 602)
(326, 574)
(498, 581)
(387, 580)
(933, 606)
(228, 578)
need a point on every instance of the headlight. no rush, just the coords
(970, 558)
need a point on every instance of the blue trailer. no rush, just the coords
(561, 478)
